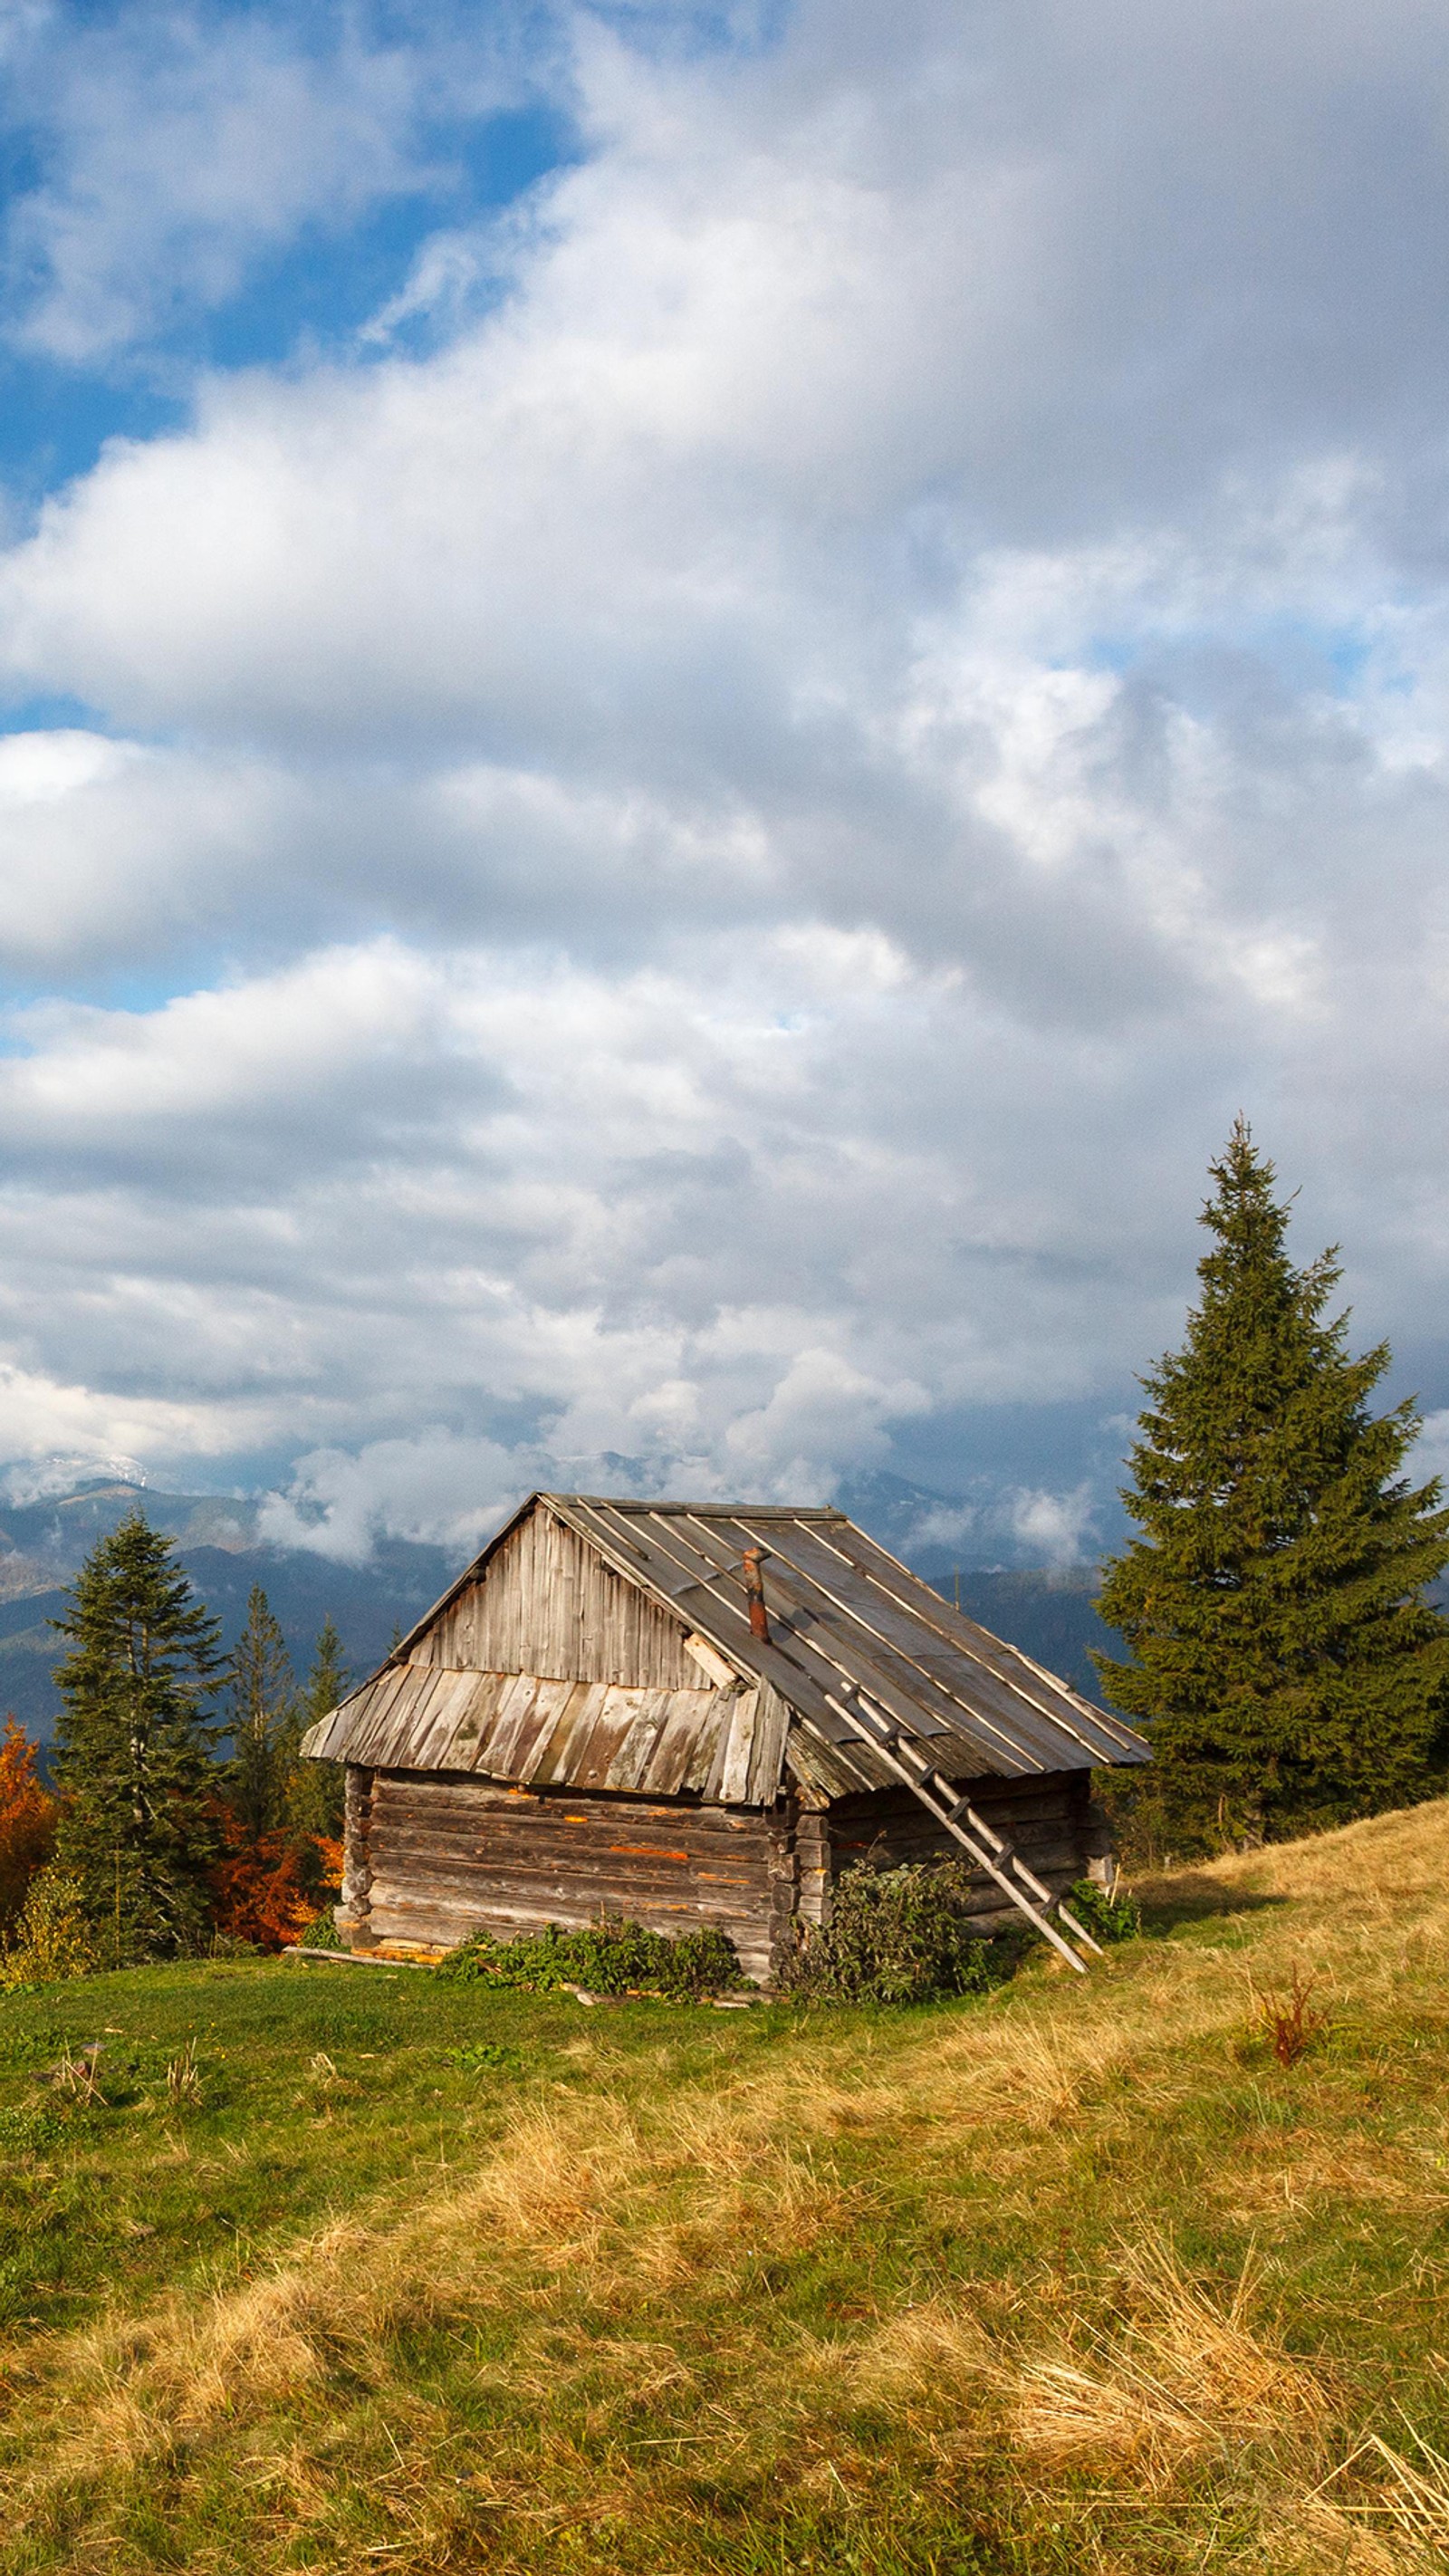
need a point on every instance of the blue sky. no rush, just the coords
(686, 700)
(314, 293)
(274, 290)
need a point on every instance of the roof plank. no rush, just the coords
(844, 1616)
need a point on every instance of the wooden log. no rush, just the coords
(784, 1881)
(1044, 1818)
(353, 1915)
(812, 1853)
(450, 1856)
(348, 1958)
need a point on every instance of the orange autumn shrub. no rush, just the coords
(27, 1820)
(266, 1888)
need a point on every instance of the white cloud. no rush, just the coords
(449, 1492)
(1054, 1529)
(97, 1431)
(180, 146)
(734, 836)
(776, 319)
(663, 1214)
(945, 1525)
(36, 1480)
(823, 1416)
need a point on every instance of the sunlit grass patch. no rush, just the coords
(1049, 2279)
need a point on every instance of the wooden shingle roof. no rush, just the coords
(845, 1617)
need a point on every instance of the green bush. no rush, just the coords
(609, 1958)
(1108, 1918)
(896, 1936)
(52, 1937)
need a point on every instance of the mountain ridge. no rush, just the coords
(1046, 1611)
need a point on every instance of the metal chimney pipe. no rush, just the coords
(755, 1594)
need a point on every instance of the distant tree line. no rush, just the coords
(182, 1814)
(1283, 1658)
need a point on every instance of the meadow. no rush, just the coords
(351, 2268)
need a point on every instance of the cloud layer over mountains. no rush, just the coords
(673, 835)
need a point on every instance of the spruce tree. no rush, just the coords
(132, 1759)
(263, 1721)
(329, 1680)
(314, 1798)
(1283, 1658)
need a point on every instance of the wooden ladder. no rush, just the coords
(988, 1849)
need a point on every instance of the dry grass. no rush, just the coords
(890, 2277)
(1183, 2374)
(1417, 2493)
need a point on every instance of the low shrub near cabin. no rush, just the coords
(896, 1936)
(609, 1958)
(1113, 1916)
(264, 1886)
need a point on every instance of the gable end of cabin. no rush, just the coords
(545, 1601)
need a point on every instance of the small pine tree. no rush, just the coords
(283, 1814)
(133, 1750)
(263, 1721)
(329, 1680)
(1282, 1656)
(315, 1790)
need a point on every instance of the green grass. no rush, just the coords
(143, 2193)
(1066, 2277)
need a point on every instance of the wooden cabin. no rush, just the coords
(699, 1714)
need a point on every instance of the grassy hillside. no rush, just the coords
(1072, 2278)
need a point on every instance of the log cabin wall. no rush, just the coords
(351, 1914)
(449, 1854)
(441, 1854)
(550, 1605)
(813, 1871)
(1046, 1816)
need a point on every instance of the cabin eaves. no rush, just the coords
(845, 1618)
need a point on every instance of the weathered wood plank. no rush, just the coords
(1046, 1821)
(630, 1764)
(550, 1605)
(767, 1752)
(735, 1766)
(448, 1852)
(531, 1727)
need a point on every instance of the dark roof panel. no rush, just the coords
(844, 1616)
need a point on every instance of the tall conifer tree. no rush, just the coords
(133, 1748)
(263, 1714)
(314, 1797)
(1283, 1658)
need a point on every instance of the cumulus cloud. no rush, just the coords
(620, 1216)
(437, 1488)
(718, 848)
(180, 146)
(1053, 1529)
(47, 1427)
